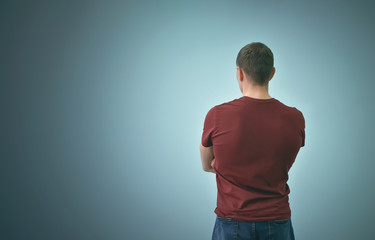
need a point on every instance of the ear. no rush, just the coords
(273, 73)
(240, 74)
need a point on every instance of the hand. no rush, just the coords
(212, 169)
(213, 162)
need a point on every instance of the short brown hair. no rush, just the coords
(256, 60)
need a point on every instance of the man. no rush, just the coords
(250, 143)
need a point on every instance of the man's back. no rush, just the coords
(255, 142)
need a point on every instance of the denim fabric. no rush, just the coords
(228, 229)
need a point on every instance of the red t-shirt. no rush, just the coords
(255, 143)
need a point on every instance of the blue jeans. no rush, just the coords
(228, 228)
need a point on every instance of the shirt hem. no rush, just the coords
(251, 216)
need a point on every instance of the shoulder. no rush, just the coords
(293, 111)
(298, 112)
(221, 107)
(290, 108)
(210, 115)
(228, 104)
(300, 116)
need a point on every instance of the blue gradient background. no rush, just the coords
(103, 104)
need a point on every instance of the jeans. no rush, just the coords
(228, 228)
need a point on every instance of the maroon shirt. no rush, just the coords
(255, 143)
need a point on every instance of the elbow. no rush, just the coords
(206, 169)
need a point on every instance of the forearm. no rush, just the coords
(211, 167)
(207, 157)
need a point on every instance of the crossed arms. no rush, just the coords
(208, 158)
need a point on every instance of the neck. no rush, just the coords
(256, 91)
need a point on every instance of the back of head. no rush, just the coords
(256, 60)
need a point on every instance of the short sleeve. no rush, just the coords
(302, 130)
(208, 128)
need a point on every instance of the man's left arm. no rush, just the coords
(208, 158)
